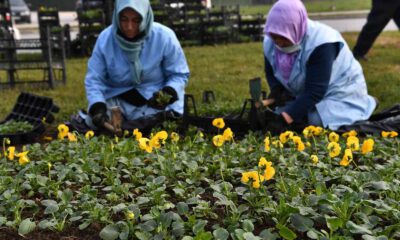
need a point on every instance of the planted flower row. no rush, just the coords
(317, 185)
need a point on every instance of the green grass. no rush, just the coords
(226, 69)
(315, 6)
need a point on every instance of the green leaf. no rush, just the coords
(67, 195)
(143, 235)
(250, 236)
(221, 234)
(203, 236)
(3, 220)
(286, 233)
(182, 208)
(85, 224)
(26, 226)
(46, 224)
(333, 223)
(109, 232)
(357, 229)
(378, 185)
(268, 235)
(248, 226)
(199, 226)
(301, 223)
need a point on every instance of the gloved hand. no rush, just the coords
(98, 113)
(161, 99)
(275, 123)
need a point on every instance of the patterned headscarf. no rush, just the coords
(287, 18)
(133, 48)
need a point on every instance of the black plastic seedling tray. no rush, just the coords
(33, 109)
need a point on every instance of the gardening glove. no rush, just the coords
(98, 113)
(161, 99)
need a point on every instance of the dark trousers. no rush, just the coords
(381, 13)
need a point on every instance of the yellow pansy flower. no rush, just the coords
(333, 137)
(350, 133)
(218, 140)
(390, 134)
(314, 158)
(228, 134)
(138, 135)
(130, 215)
(254, 177)
(11, 153)
(144, 144)
(89, 134)
(277, 144)
(299, 144)
(174, 137)
(62, 131)
(72, 137)
(367, 146)
(162, 135)
(334, 149)
(267, 142)
(218, 123)
(353, 143)
(284, 137)
(23, 158)
(347, 158)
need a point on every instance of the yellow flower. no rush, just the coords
(312, 131)
(390, 134)
(254, 177)
(47, 138)
(308, 131)
(144, 144)
(218, 140)
(308, 144)
(350, 133)
(267, 144)
(72, 137)
(347, 158)
(264, 163)
(219, 123)
(334, 149)
(228, 134)
(162, 135)
(130, 215)
(314, 158)
(277, 144)
(174, 137)
(23, 158)
(11, 153)
(333, 137)
(138, 135)
(269, 171)
(201, 134)
(353, 143)
(155, 142)
(62, 131)
(89, 134)
(49, 165)
(284, 137)
(299, 144)
(367, 146)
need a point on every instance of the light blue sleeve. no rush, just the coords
(175, 68)
(95, 76)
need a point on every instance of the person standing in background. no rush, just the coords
(381, 13)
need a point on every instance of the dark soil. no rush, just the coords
(90, 233)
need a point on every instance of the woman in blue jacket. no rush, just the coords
(312, 63)
(134, 62)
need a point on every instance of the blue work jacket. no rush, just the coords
(163, 64)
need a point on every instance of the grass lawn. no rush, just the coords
(216, 67)
(315, 6)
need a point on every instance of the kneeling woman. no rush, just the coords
(135, 63)
(312, 63)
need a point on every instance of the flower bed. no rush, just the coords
(316, 185)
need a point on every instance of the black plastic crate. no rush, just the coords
(33, 109)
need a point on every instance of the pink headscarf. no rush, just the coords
(287, 18)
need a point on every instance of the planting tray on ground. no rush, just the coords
(33, 109)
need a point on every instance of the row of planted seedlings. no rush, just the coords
(316, 185)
